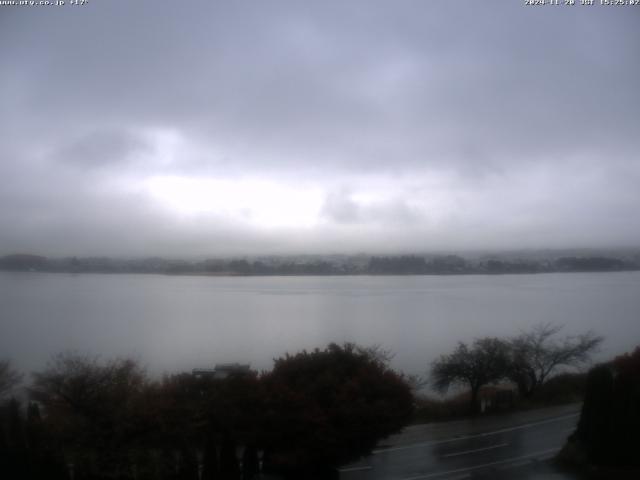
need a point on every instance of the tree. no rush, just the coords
(96, 410)
(485, 362)
(327, 407)
(212, 416)
(9, 378)
(607, 432)
(537, 353)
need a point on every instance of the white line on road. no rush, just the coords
(483, 465)
(457, 454)
(354, 469)
(467, 437)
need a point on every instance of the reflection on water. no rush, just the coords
(173, 322)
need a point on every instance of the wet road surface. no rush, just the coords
(498, 447)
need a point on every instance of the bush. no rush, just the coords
(429, 409)
(107, 419)
(331, 406)
(610, 420)
(563, 388)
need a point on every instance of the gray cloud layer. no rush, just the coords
(232, 127)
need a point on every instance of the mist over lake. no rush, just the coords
(173, 323)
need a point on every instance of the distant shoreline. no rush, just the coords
(336, 265)
(363, 274)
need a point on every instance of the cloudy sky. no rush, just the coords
(247, 127)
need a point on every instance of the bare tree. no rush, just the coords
(86, 386)
(484, 363)
(9, 378)
(537, 353)
(94, 406)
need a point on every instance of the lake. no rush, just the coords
(173, 323)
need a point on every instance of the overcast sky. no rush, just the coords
(247, 127)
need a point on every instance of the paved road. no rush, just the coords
(500, 447)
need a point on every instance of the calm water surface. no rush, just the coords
(180, 322)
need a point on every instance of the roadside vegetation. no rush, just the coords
(86, 418)
(92, 419)
(606, 443)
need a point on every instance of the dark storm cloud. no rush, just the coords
(101, 149)
(487, 121)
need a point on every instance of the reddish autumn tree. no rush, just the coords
(331, 406)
